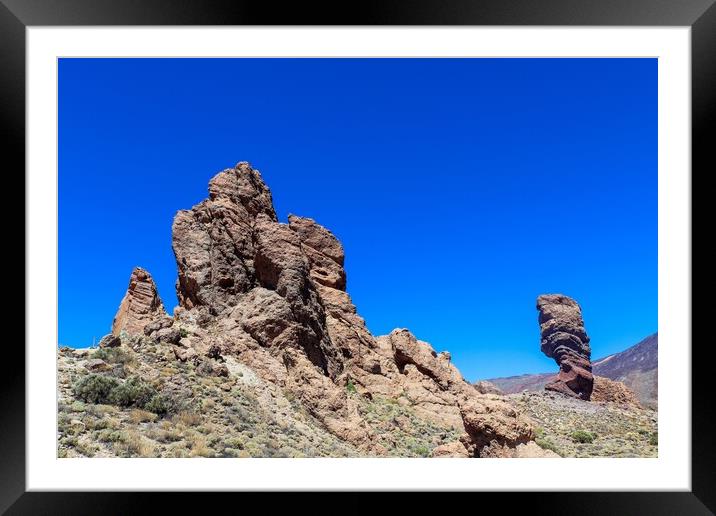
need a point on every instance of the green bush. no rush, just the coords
(350, 387)
(422, 451)
(94, 388)
(114, 356)
(133, 391)
(582, 436)
(158, 404)
(654, 439)
(546, 444)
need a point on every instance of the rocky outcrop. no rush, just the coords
(139, 307)
(453, 449)
(272, 296)
(610, 391)
(110, 341)
(485, 387)
(564, 339)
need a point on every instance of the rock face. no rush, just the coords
(564, 339)
(140, 306)
(273, 296)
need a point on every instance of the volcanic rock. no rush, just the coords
(110, 341)
(141, 305)
(611, 391)
(564, 339)
(485, 387)
(271, 297)
(97, 365)
(453, 449)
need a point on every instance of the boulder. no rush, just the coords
(453, 449)
(110, 341)
(168, 335)
(96, 365)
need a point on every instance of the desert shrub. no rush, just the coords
(350, 387)
(94, 388)
(654, 439)
(77, 406)
(87, 449)
(159, 404)
(114, 356)
(200, 449)
(422, 451)
(188, 418)
(582, 436)
(547, 444)
(131, 444)
(134, 391)
(109, 436)
(170, 435)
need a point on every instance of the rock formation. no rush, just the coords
(564, 339)
(273, 296)
(610, 391)
(140, 306)
(486, 387)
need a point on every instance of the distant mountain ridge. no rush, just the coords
(636, 367)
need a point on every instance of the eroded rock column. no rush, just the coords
(564, 339)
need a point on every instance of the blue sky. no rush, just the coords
(460, 188)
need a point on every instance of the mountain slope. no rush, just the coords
(636, 367)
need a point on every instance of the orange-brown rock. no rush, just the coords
(272, 296)
(453, 449)
(610, 391)
(564, 339)
(140, 306)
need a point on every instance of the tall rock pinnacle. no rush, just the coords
(140, 306)
(564, 339)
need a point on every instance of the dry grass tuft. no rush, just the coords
(200, 449)
(134, 445)
(141, 416)
(187, 418)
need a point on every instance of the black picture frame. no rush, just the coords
(700, 15)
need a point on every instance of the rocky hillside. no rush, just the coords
(266, 355)
(636, 367)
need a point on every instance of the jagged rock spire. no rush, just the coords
(140, 306)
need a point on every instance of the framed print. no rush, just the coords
(306, 251)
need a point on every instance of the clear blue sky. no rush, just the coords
(460, 188)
